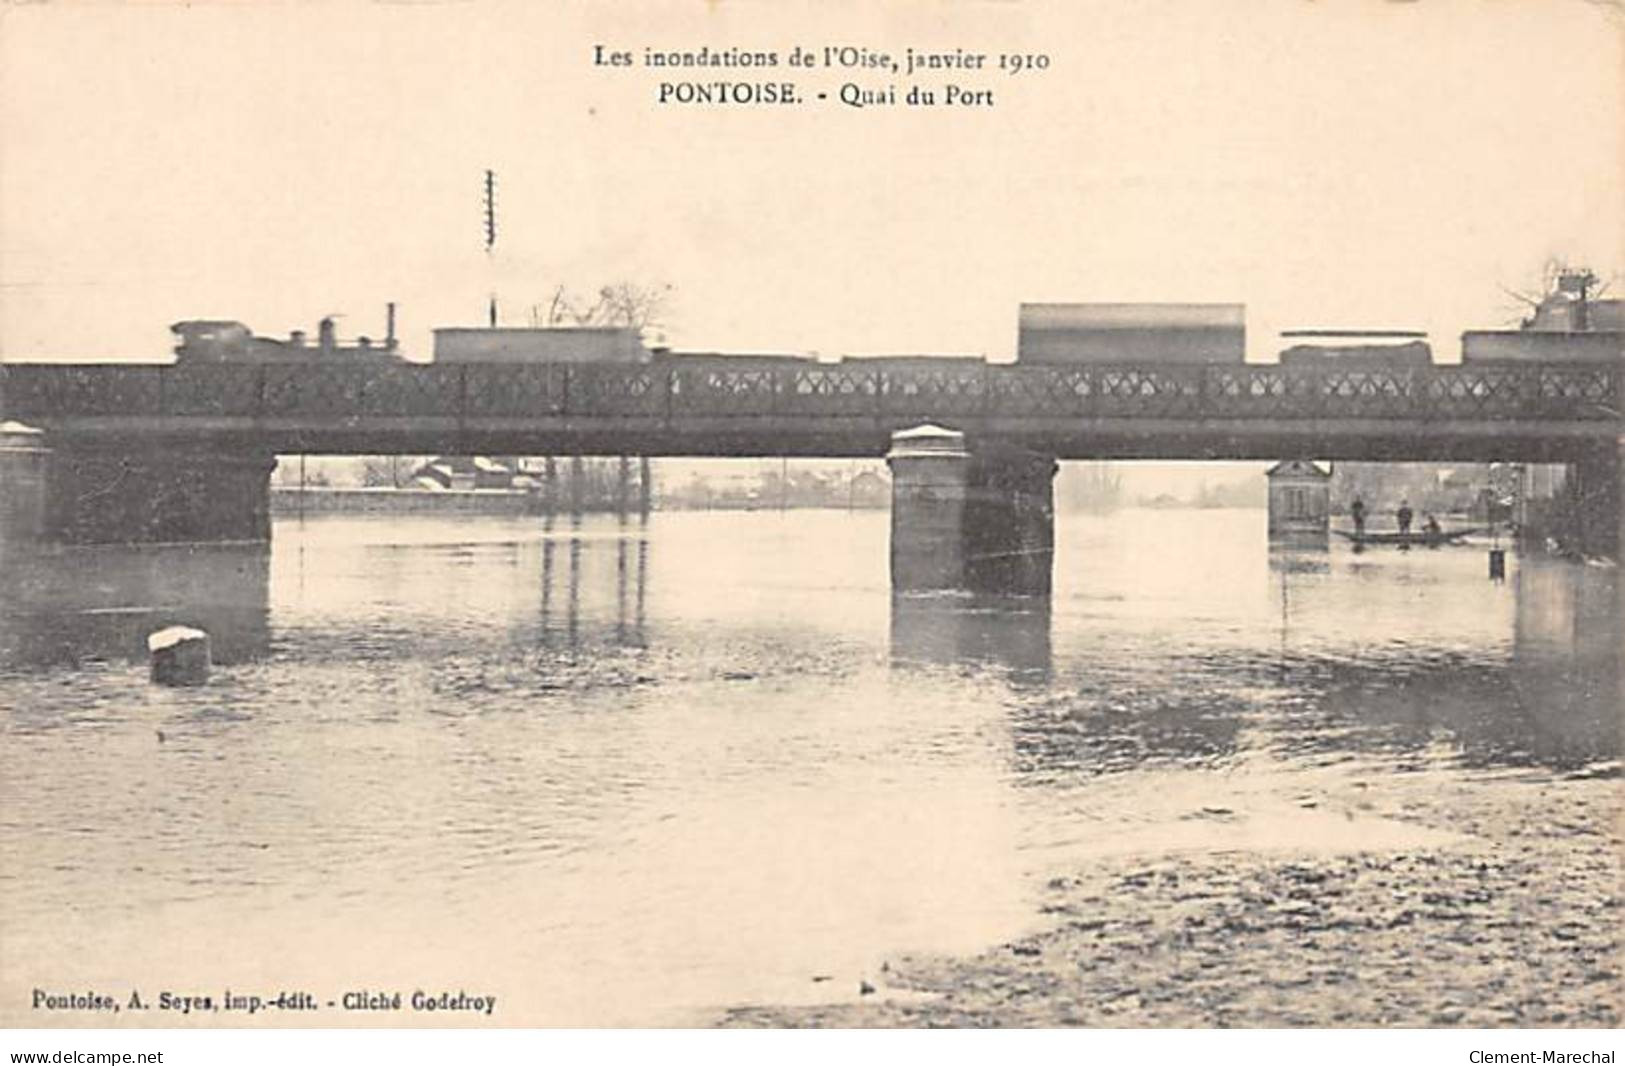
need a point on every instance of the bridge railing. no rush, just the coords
(894, 391)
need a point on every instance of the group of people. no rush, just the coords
(1403, 514)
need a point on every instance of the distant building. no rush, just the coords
(1132, 333)
(463, 472)
(1570, 307)
(1562, 313)
(1088, 486)
(869, 489)
(1568, 326)
(1300, 498)
(1479, 347)
(553, 344)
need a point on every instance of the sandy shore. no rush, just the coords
(1511, 917)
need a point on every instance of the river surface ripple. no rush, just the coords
(627, 773)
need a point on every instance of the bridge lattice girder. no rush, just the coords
(695, 408)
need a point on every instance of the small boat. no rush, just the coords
(1424, 538)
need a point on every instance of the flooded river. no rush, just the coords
(634, 774)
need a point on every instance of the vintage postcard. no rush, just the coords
(725, 513)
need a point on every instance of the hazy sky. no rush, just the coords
(1335, 163)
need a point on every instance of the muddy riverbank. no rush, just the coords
(1508, 915)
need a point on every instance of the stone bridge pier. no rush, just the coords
(66, 492)
(973, 518)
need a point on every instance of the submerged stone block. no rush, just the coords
(179, 656)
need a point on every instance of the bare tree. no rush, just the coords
(624, 304)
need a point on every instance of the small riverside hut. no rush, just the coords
(1300, 498)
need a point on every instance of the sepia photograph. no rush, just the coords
(708, 514)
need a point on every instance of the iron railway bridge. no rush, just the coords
(760, 406)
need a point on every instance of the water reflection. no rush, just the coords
(95, 604)
(1415, 658)
(708, 741)
(1105, 721)
(1290, 558)
(630, 578)
(1568, 661)
(1012, 635)
(1526, 674)
(422, 588)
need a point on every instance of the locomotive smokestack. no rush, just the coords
(389, 328)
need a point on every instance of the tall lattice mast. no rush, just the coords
(491, 239)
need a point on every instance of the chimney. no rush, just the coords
(327, 335)
(389, 332)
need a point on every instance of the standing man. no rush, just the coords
(1357, 512)
(1404, 515)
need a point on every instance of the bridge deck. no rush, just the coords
(1513, 411)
